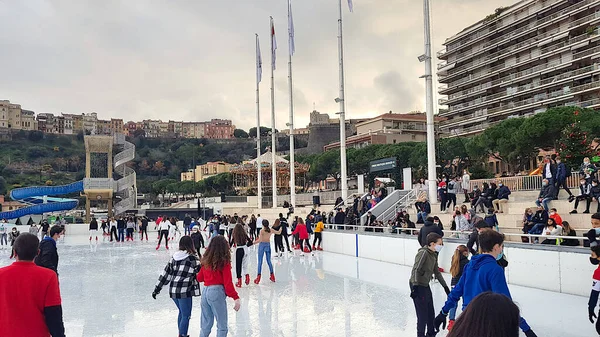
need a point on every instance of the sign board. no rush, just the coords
(407, 178)
(382, 165)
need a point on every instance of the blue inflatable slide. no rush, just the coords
(41, 199)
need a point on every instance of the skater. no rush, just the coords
(163, 231)
(278, 238)
(113, 230)
(595, 255)
(103, 226)
(426, 264)
(12, 237)
(216, 275)
(121, 225)
(284, 231)
(3, 234)
(187, 222)
(302, 236)
(48, 256)
(459, 261)
(259, 225)
(264, 247)
(130, 228)
(197, 239)
(45, 226)
(241, 240)
(318, 235)
(93, 228)
(482, 274)
(173, 229)
(30, 304)
(34, 229)
(144, 228)
(232, 223)
(181, 273)
(252, 225)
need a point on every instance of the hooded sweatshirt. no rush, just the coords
(428, 227)
(180, 274)
(426, 264)
(48, 256)
(480, 275)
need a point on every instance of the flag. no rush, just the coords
(291, 28)
(273, 44)
(350, 6)
(258, 61)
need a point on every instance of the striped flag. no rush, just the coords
(258, 61)
(274, 45)
(291, 28)
(350, 6)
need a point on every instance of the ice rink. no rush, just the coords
(106, 291)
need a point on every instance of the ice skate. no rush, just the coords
(450, 324)
(239, 283)
(157, 247)
(272, 278)
(257, 280)
(247, 279)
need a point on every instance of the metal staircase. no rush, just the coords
(387, 208)
(126, 185)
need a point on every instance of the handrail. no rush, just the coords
(405, 200)
(343, 203)
(450, 234)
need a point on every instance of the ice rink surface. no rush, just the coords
(106, 291)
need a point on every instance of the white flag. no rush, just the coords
(291, 28)
(274, 45)
(350, 6)
(258, 61)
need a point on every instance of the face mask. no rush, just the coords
(558, 161)
(438, 248)
(499, 257)
(582, 183)
(436, 222)
(544, 184)
(593, 261)
(586, 162)
(552, 213)
(597, 231)
(501, 184)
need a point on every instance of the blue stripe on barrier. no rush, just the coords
(356, 245)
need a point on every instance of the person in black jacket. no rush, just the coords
(93, 229)
(428, 227)
(187, 221)
(284, 230)
(549, 170)
(547, 194)
(144, 228)
(562, 173)
(121, 225)
(48, 256)
(540, 219)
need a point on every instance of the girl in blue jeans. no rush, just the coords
(218, 284)
(180, 273)
(264, 247)
(459, 261)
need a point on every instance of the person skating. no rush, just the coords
(144, 228)
(284, 231)
(241, 240)
(34, 229)
(181, 274)
(30, 303)
(459, 261)
(593, 301)
(303, 236)
(104, 227)
(93, 229)
(278, 238)
(264, 248)
(197, 239)
(12, 237)
(187, 222)
(319, 227)
(48, 255)
(426, 265)
(4, 233)
(121, 225)
(130, 228)
(216, 275)
(163, 232)
(482, 274)
(113, 229)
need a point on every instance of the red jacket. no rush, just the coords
(556, 218)
(218, 277)
(301, 229)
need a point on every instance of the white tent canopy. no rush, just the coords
(266, 158)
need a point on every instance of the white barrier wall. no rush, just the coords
(547, 269)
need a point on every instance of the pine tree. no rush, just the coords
(574, 144)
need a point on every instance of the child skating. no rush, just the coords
(264, 248)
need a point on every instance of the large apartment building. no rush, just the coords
(519, 61)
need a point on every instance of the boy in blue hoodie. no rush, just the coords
(481, 274)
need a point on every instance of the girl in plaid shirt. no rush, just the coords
(180, 273)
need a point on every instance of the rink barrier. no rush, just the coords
(560, 269)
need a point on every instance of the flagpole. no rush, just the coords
(291, 123)
(431, 164)
(258, 159)
(341, 101)
(273, 140)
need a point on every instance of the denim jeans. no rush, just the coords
(3, 239)
(422, 216)
(121, 234)
(544, 203)
(452, 313)
(264, 248)
(185, 313)
(213, 305)
(537, 229)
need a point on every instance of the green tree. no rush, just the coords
(239, 133)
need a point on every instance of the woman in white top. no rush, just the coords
(552, 229)
(462, 224)
(466, 184)
(163, 230)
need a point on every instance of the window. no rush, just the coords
(413, 137)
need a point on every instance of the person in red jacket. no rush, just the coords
(554, 215)
(218, 282)
(303, 234)
(30, 303)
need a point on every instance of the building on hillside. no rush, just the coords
(90, 123)
(301, 131)
(46, 122)
(219, 129)
(389, 128)
(519, 61)
(116, 126)
(104, 127)
(319, 118)
(151, 128)
(10, 115)
(10, 205)
(67, 121)
(129, 128)
(28, 121)
(209, 169)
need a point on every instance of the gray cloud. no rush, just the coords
(194, 60)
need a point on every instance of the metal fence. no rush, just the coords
(525, 183)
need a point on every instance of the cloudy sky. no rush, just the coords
(195, 60)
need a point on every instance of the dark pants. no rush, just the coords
(121, 234)
(287, 243)
(130, 234)
(230, 236)
(239, 260)
(113, 231)
(451, 200)
(222, 232)
(587, 199)
(165, 234)
(319, 237)
(142, 232)
(443, 201)
(278, 243)
(563, 184)
(307, 243)
(425, 312)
